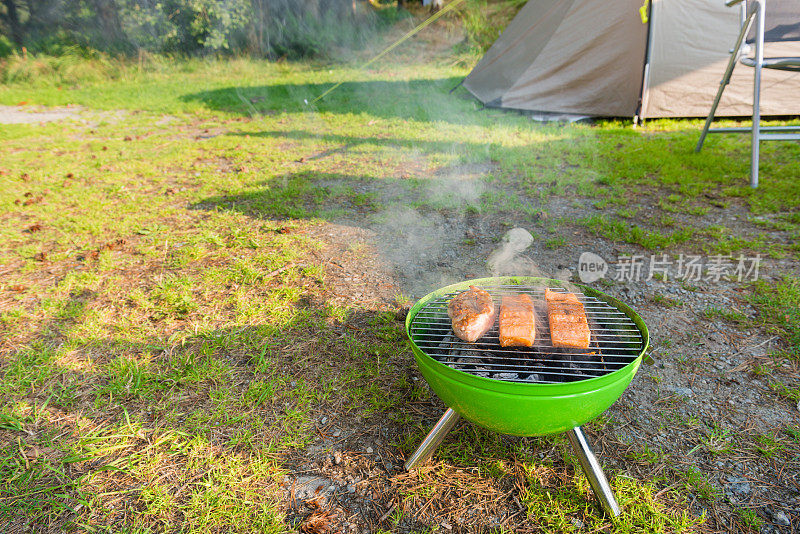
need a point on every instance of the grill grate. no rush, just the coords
(615, 342)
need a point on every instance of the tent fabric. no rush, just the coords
(565, 56)
(565, 81)
(596, 57)
(702, 33)
(520, 45)
(782, 22)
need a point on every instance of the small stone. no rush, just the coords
(781, 519)
(683, 392)
(306, 487)
(337, 457)
(577, 522)
(323, 420)
(351, 488)
(337, 433)
(369, 450)
(738, 486)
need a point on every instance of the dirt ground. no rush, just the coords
(33, 115)
(697, 387)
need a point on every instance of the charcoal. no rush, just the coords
(471, 355)
(506, 376)
(446, 343)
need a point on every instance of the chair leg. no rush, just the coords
(726, 78)
(756, 141)
(724, 83)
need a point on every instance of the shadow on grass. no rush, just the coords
(603, 155)
(622, 156)
(81, 426)
(419, 100)
(624, 165)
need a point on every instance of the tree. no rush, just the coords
(264, 27)
(110, 27)
(11, 19)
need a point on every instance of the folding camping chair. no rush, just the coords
(755, 14)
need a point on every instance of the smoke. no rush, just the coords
(431, 227)
(424, 245)
(428, 195)
(507, 259)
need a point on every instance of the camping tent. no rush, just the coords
(597, 57)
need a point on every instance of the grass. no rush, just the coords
(556, 510)
(555, 494)
(769, 445)
(696, 482)
(647, 455)
(730, 315)
(750, 519)
(778, 304)
(665, 301)
(618, 230)
(50, 481)
(791, 393)
(717, 440)
(175, 326)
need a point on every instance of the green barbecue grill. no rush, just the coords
(528, 391)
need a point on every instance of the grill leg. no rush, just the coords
(433, 439)
(593, 471)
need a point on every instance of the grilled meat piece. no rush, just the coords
(517, 321)
(472, 313)
(567, 316)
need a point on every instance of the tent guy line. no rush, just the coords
(430, 20)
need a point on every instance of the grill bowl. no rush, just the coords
(522, 409)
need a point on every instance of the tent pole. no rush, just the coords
(646, 74)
